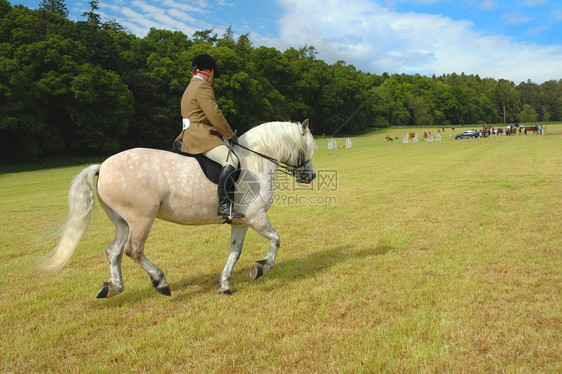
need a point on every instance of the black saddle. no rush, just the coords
(210, 168)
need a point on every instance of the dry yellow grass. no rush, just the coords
(437, 257)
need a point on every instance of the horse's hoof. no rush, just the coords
(164, 291)
(225, 291)
(155, 282)
(103, 293)
(256, 271)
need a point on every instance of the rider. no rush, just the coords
(203, 126)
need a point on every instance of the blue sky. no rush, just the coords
(513, 39)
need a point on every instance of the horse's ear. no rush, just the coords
(305, 125)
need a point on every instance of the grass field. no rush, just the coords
(430, 257)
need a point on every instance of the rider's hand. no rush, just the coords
(234, 139)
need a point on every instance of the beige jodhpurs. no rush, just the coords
(219, 154)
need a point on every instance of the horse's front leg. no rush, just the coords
(237, 235)
(263, 227)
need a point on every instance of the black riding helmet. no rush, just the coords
(203, 62)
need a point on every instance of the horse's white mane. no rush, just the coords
(283, 141)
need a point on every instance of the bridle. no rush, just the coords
(283, 167)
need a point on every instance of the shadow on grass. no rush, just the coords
(287, 271)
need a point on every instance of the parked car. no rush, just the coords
(468, 134)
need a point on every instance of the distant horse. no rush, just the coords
(136, 186)
(388, 138)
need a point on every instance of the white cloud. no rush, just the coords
(515, 18)
(199, 8)
(488, 4)
(160, 16)
(556, 14)
(224, 3)
(139, 16)
(377, 39)
(534, 2)
(147, 8)
(536, 30)
(136, 18)
(181, 15)
(425, 2)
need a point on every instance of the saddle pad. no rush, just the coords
(210, 168)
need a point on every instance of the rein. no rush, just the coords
(284, 167)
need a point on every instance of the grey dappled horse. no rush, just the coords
(136, 186)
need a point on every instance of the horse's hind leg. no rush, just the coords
(114, 254)
(134, 248)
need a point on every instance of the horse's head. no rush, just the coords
(288, 145)
(303, 170)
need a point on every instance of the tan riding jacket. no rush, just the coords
(198, 104)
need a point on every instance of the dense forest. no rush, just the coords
(91, 87)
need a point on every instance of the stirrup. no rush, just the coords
(231, 213)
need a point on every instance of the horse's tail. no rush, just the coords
(80, 203)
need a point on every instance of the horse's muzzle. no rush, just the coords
(306, 177)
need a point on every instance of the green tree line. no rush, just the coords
(91, 87)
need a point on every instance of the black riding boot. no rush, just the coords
(226, 194)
